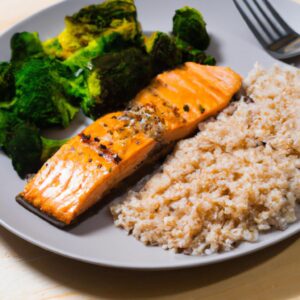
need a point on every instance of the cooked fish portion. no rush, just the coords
(112, 148)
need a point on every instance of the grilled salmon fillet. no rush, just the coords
(115, 145)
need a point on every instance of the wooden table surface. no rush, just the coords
(28, 272)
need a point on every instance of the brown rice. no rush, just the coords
(237, 177)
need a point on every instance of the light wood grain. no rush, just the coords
(27, 272)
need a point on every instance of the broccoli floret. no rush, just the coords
(110, 41)
(8, 121)
(53, 48)
(7, 84)
(115, 79)
(24, 45)
(22, 142)
(40, 84)
(189, 26)
(192, 54)
(163, 52)
(24, 148)
(28, 150)
(91, 22)
(209, 60)
(104, 14)
(168, 52)
(41, 93)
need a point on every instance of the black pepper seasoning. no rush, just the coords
(117, 158)
(202, 109)
(85, 138)
(103, 147)
(186, 108)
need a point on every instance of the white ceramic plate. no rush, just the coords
(96, 240)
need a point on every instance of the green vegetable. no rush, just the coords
(23, 144)
(25, 45)
(41, 93)
(53, 48)
(24, 148)
(91, 23)
(111, 41)
(28, 150)
(40, 84)
(167, 52)
(116, 78)
(35, 91)
(192, 54)
(7, 84)
(163, 52)
(8, 121)
(102, 15)
(189, 26)
(93, 20)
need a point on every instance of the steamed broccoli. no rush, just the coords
(115, 79)
(104, 14)
(163, 52)
(91, 22)
(187, 42)
(53, 48)
(24, 148)
(8, 121)
(25, 45)
(41, 93)
(167, 52)
(34, 93)
(7, 84)
(192, 54)
(40, 84)
(111, 41)
(189, 26)
(28, 150)
(22, 142)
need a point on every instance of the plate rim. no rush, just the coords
(224, 256)
(25, 19)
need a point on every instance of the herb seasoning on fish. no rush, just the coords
(86, 138)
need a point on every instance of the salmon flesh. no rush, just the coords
(113, 147)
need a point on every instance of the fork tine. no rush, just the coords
(271, 23)
(250, 25)
(259, 21)
(278, 17)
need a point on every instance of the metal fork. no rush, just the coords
(273, 33)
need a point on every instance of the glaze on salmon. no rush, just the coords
(114, 146)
